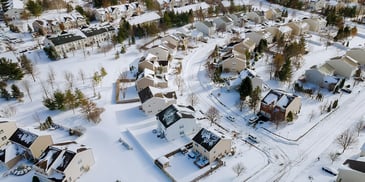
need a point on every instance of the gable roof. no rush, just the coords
(149, 92)
(23, 137)
(8, 153)
(278, 98)
(173, 113)
(206, 139)
(356, 165)
(146, 17)
(63, 39)
(96, 30)
(326, 69)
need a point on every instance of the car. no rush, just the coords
(231, 118)
(330, 170)
(253, 138)
(253, 119)
(346, 90)
(192, 154)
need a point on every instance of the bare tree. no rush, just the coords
(123, 84)
(69, 77)
(180, 84)
(241, 103)
(238, 168)
(8, 111)
(192, 99)
(36, 117)
(51, 77)
(26, 86)
(44, 88)
(212, 115)
(346, 139)
(333, 156)
(82, 76)
(359, 126)
(311, 115)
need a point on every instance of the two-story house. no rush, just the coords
(7, 128)
(154, 100)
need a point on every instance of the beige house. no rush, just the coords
(97, 35)
(344, 66)
(233, 64)
(256, 16)
(160, 51)
(210, 145)
(155, 100)
(352, 170)
(177, 121)
(298, 27)
(65, 43)
(239, 50)
(285, 31)
(277, 104)
(148, 78)
(31, 144)
(7, 128)
(274, 31)
(148, 62)
(64, 162)
(316, 24)
(273, 14)
(9, 156)
(257, 36)
(357, 54)
(144, 19)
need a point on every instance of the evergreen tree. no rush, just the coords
(70, 100)
(10, 70)
(335, 104)
(245, 88)
(255, 98)
(16, 93)
(34, 7)
(69, 8)
(5, 94)
(285, 72)
(27, 65)
(103, 72)
(290, 116)
(59, 99)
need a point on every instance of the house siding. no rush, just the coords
(40, 144)
(174, 131)
(6, 130)
(156, 104)
(348, 175)
(79, 164)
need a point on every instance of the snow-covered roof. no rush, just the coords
(285, 29)
(206, 138)
(18, 4)
(227, 3)
(193, 7)
(173, 113)
(163, 160)
(278, 98)
(23, 137)
(9, 153)
(326, 69)
(243, 74)
(149, 92)
(144, 18)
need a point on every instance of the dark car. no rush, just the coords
(346, 90)
(330, 170)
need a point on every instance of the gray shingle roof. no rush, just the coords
(63, 39)
(173, 113)
(206, 139)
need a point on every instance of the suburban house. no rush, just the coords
(97, 35)
(64, 162)
(160, 51)
(45, 26)
(357, 54)
(236, 18)
(206, 27)
(117, 12)
(185, 8)
(101, 14)
(145, 18)
(352, 170)
(65, 43)
(273, 13)
(322, 76)
(29, 143)
(316, 24)
(344, 66)
(255, 79)
(240, 49)
(256, 16)
(148, 78)
(210, 145)
(176, 121)
(14, 14)
(149, 61)
(318, 5)
(9, 156)
(223, 23)
(155, 100)
(274, 31)
(277, 104)
(257, 36)
(233, 64)
(285, 31)
(298, 27)
(7, 128)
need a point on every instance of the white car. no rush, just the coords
(253, 138)
(231, 118)
(253, 119)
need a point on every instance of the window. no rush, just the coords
(181, 126)
(181, 132)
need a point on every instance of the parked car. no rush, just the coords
(330, 170)
(347, 90)
(231, 118)
(253, 119)
(253, 138)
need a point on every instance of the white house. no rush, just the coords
(322, 76)
(65, 43)
(160, 51)
(352, 170)
(316, 24)
(255, 79)
(149, 78)
(155, 100)
(206, 27)
(64, 162)
(193, 7)
(210, 145)
(98, 34)
(177, 121)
